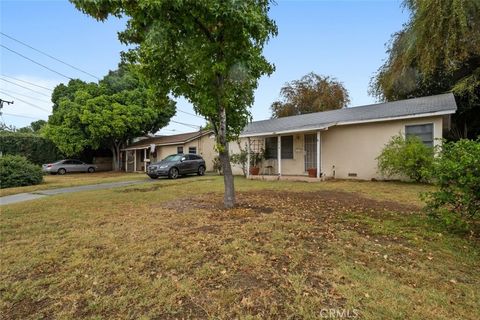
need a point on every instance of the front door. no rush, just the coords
(310, 146)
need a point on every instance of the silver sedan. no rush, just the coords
(68, 165)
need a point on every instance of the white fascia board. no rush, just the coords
(275, 133)
(413, 116)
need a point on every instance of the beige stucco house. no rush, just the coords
(344, 143)
(138, 155)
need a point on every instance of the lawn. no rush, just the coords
(289, 250)
(74, 179)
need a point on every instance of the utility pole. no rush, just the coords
(2, 102)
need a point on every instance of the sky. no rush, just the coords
(344, 39)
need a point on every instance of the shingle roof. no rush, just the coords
(443, 103)
(167, 140)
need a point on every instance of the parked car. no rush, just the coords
(176, 165)
(68, 165)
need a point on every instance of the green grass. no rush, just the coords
(289, 250)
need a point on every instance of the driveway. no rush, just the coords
(21, 197)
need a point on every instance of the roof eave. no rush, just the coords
(341, 123)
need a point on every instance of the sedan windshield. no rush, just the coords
(173, 157)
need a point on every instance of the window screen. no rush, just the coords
(271, 147)
(179, 150)
(422, 131)
(287, 147)
(192, 150)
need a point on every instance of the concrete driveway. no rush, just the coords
(21, 197)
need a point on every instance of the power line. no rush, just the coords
(30, 83)
(50, 56)
(38, 63)
(38, 92)
(26, 96)
(21, 116)
(186, 124)
(33, 105)
(189, 113)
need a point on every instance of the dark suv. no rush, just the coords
(176, 165)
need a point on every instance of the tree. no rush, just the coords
(312, 93)
(437, 51)
(107, 114)
(208, 51)
(34, 127)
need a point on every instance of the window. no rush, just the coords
(287, 147)
(271, 147)
(179, 150)
(422, 131)
(192, 150)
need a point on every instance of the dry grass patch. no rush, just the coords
(74, 179)
(171, 253)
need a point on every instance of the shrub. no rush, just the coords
(34, 147)
(408, 157)
(457, 176)
(17, 171)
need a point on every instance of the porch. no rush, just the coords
(285, 156)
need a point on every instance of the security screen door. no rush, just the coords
(310, 151)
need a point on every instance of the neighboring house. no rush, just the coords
(140, 153)
(344, 143)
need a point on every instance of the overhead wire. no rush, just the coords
(31, 104)
(36, 62)
(50, 56)
(27, 82)
(26, 96)
(19, 85)
(21, 116)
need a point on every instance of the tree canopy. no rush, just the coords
(312, 93)
(108, 114)
(208, 51)
(437, 51)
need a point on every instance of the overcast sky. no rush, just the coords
(343, 39)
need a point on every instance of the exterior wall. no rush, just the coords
(346, 149)
(205, 148)
(353, 148)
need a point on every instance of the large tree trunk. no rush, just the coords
(116, 163)
(229, 195)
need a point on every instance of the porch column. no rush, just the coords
(135, 160)
(248, 157)
(145, 159)
(126, 161)
(279, 155)
(318, 155)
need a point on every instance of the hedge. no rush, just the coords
(34, 147)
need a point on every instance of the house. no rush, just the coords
(344, 143)
(139, 154)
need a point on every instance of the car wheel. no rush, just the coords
(91, 170)
(173, 173)
(201, 171)
(153, 177)
(61, 171)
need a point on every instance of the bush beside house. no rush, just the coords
(17, 171)
(456, 173)
(406, 157)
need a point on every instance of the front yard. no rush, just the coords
(74, 179)
(289, 250)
